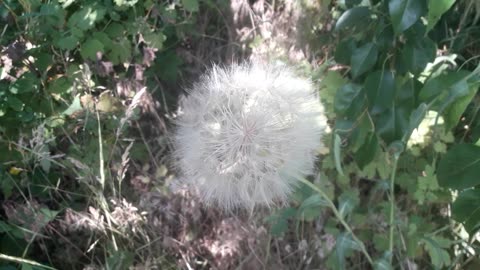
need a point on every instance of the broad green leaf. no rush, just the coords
(115, 30)
(366, 153)
(344, 51)
(27, 83)
(466, 209)
(60, 85)
(353, 17)
(440, 257)
(329, 84)
(313, 201)
(382, 264)
(43, 61)
(85, 18)
(347, 201)
(67, 43)
(415, 119)
(155, 40)
(120, 51)
(459, 168)
(454, 111)
(90, 48)
(417, 54)
(436, 8)
(405, 13)
(190, 5)
(351, 3)
(310, 208)
(120, 260)
(441, 85)
(362, 131)
(344, 244)
(380, 91)
(345, 96)
(391, 124)
(49, 214)
(108, 103)
(279, 220)
(363, 59)
(74, 107)
(14, 103)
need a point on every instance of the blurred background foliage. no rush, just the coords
(88, 89)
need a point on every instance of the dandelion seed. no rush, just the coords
(244, 131)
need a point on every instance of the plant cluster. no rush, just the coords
(402, 94)
(73, 80)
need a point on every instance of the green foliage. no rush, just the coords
(62, 110)
(406, 114)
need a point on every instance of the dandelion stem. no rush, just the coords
(338, 215)
(392, 206)
(23, 261)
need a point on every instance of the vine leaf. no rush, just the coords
(459, 167)
(405, 13)
(363, 59)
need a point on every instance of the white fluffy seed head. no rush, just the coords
(244, 131)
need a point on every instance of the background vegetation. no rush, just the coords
(88, 90)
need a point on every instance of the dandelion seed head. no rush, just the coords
(244, 131)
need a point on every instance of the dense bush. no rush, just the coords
(397, 187)
(72, 80)
(402, 92)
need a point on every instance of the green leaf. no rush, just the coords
(382, 264)
(344, 51)
(459, 168)
(415, 119)
(380, 91)
(67, 43)
(405, 13)
(453, 112)
(329, 85)
(190, 5)
(115, 30)
(85, 18)
(120, 260)
(363, 59)
(90, 48)
(347, 201)
(353, 17)
(74, 107)
(155, 40)
(48, 214)
(418, 53)
(351, 3)
(14, 103)
(436, 8)
(466, 209)
(27, 83)
(366, 153)
(391, 124)
(60, 85)
(344, 244)
(345, 96)
(120, 51)
(440, 86)
(439, 256)
(310, 209)
(279, 220)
